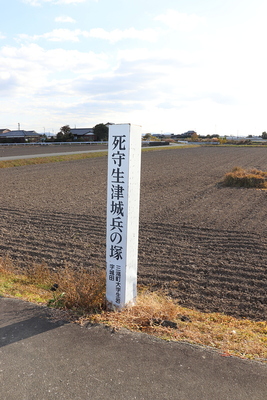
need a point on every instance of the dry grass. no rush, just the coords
(251, 178)
(27, 286)
(71, 157)
(84, 293)
(239, 337)
(172, 147)
(81, 291)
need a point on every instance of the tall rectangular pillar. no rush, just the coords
(123, 199)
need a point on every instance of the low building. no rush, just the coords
(187, 134)
(19, 136)
(4, 131)
(83, 134)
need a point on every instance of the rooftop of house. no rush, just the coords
(82, 131)
(19, 134)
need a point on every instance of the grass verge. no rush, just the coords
(154, 313)
(250, 178)
(81, 291)
(71, 157)
(50, 159)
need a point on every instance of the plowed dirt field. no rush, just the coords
(206, 245)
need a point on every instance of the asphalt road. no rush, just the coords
(13, 152)
(31, 151)
(43, 357)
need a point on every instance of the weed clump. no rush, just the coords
(81, 290)
(78, 290)
(250, 178)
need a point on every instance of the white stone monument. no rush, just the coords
(123, 198)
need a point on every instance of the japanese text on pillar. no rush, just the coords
(116, 200)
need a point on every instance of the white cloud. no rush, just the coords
(79, 85)
(40, 2)
(2, 36)
(140, 80)
(67, 35)
(32, 2)
(64, 18)
(139, 77)
(28, 70)
(68, 1)
(57, 35)
(166, 56)
(202, 71)
(180, 21)
(116, 35)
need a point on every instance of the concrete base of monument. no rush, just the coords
(114, 307)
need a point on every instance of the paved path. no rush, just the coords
(21, 152)
(48, 155)
(34, 151)
(43, 358)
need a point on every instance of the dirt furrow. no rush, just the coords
(203, 244)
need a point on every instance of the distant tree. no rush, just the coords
(65, 135)
(60, 137)
(194, 137)
(264, 135)
(101, 132)
(147, 136)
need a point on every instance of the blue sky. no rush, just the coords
(170, 66)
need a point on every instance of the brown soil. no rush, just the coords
(205, 244)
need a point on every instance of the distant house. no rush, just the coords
(184, 135)
(83, 134)
(189, 133)
(4, 131)
(19, 136)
